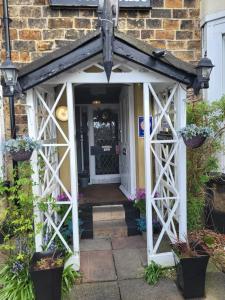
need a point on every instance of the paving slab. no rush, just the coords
(95, 244)
(129, 263)
(215, 286)
(97, 266)
(131, 242)
(212, 267)
(96, 291)
(138, 289)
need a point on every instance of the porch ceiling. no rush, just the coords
(90, 45)
(106, 93)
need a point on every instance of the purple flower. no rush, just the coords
(140, 195)
(17, 267)
(62, 197)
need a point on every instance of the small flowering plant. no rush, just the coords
(193, 130)
(24, 143)
(62, 197)
(139, 201)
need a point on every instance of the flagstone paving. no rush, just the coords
(113, 270)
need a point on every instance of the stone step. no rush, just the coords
(108, 213)
(110, 229)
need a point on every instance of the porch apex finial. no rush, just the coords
(108, 18)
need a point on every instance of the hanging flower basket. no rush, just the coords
(195, 141)
(194, 136)
(21, 148)
(21, 155)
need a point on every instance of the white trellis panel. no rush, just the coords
(2, 134)
(165, 170)
(43, 126)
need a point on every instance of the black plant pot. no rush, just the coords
(21, 155)
(47, 283)
(194, 142)
(191, 274)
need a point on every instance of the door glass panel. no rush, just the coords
(105, 122)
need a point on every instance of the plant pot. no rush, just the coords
(83, 180)
(191, 274)
(47, 283)
(21, 155)
(194, 142)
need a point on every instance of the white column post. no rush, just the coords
(2, 135)
(148, 171)
(73, 174)
(32, 130)
(181, 162)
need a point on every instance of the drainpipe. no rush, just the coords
(6, 22)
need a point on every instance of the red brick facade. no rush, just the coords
(37, 29)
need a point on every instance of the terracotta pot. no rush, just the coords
(21, 155)
(194, 142)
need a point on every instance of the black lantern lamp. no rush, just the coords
(203, 70)
(10, 74)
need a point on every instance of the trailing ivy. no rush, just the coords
(18, 229)
(203, 162)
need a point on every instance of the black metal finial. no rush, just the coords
(108, 21)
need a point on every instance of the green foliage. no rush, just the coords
(153, 273)
(68, 280)
(209, 240)
(192, 130)
(21, 143)
(18, 224)
(15, 285)
(195, 207)
(202, 162)
(140, 204)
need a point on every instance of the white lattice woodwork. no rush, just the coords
(46, 162)
(165, 169)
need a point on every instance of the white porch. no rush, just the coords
(164, 159)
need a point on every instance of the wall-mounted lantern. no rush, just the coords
(203, 70)
(10, 74)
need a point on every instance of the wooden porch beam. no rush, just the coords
(130, 53)
(58, 66)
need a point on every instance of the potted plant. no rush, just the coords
(214, 244)
(21, 148)
(46, 271)
(194, 136)
(191, 261)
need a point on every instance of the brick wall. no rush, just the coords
(37, 29)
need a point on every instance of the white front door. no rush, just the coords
(127, 142)
(104, 141)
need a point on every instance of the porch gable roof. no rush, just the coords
(90, 45)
